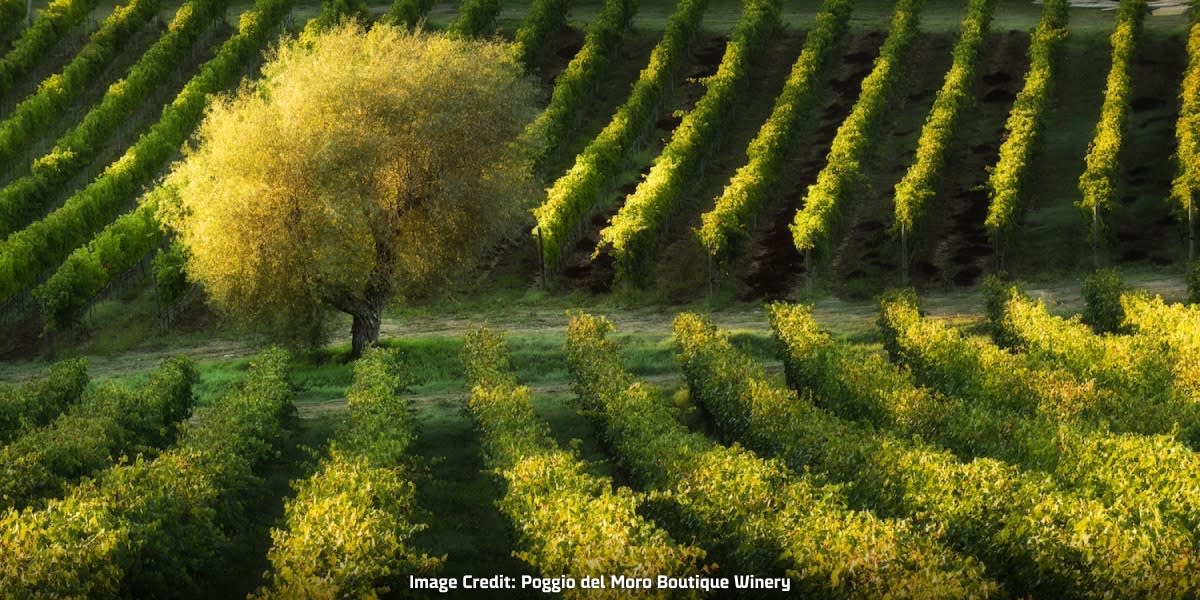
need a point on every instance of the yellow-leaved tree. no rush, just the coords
(364, 165)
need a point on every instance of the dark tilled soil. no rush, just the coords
(681, 270)
(771, 263)
(560, 48)
(1052, 234)
(954, 248)
(865, 255)
(589, 267)
(1142, 227)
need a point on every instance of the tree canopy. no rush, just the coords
(364, 164)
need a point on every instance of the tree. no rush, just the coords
(363, 165)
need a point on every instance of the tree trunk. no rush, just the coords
(364, 332)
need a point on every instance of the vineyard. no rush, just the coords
(681, 158)
(938, 465)
(839, 243)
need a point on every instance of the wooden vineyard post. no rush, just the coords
(711, 276)
(808, 274)
(541, 254)
(1191, 228)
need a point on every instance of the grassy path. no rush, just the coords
(543, 322)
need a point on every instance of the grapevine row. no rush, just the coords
(575, 193)
(569, 522)
(153, 528)
(37, 402)
(916, 189)
(1097, 184)
(1126, 366)
(576, 84)
(11, 13)
(25, 255)
(50, 25)
(752, 511)
(633, 231)
(814, 222)
(333, 12)
(545, 16)
(476, 17)
(748, 189)
(38, 111)
(348, 531)
(111, 422)
(25, 198)
(1175, 326)
(1007, 178)
(984, 373)
(89, 269)
(1042, 540)
(1185, 188)
(976, 418)
(407, 13)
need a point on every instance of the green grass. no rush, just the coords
(297, 459)
(460, 496)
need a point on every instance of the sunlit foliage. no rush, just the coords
(365, 164)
